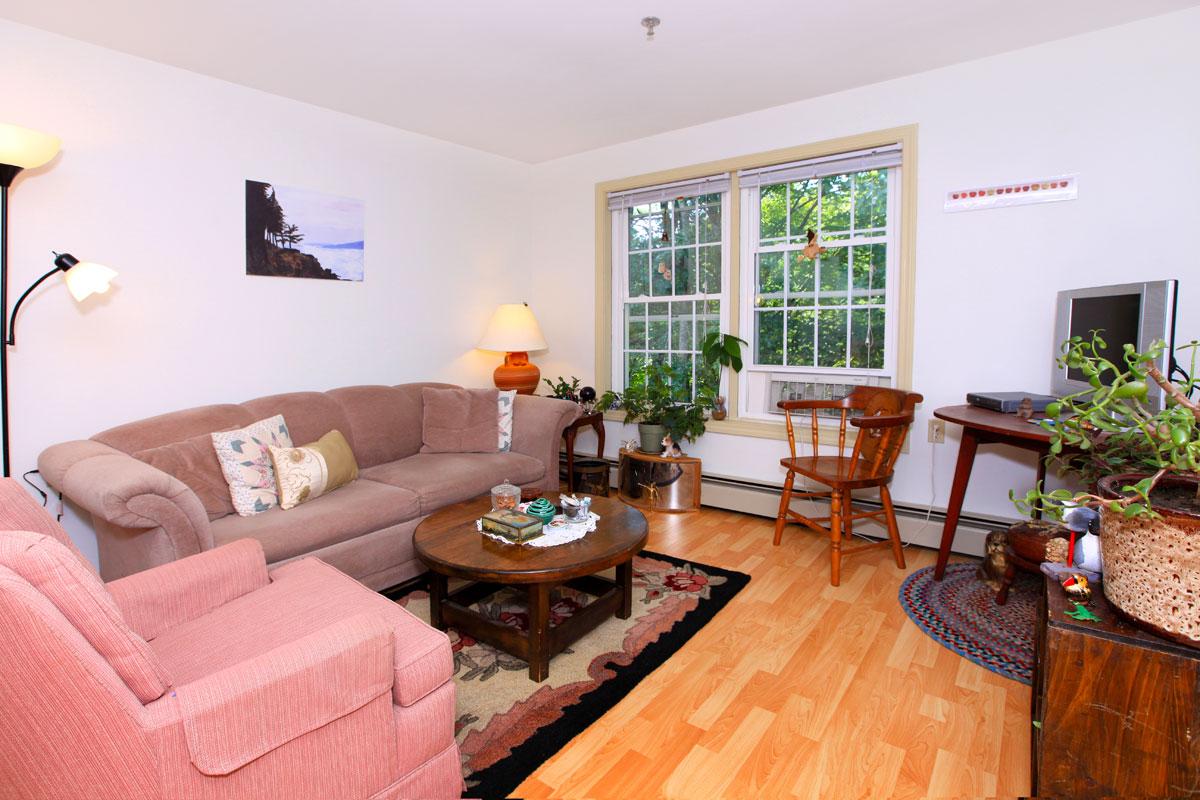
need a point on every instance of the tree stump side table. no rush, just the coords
(659, 483)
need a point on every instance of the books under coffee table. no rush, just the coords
(449, 543)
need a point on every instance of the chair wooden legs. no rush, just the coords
(841, 524)
(784, 502)
(893, 529)
(835, 537)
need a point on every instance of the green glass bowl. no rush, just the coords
(543, 509)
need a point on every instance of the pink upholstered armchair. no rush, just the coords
(211, 678)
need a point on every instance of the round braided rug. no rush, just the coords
(960, 613)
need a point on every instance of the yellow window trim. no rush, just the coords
(905, 135)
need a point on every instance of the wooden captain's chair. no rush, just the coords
(883, 418)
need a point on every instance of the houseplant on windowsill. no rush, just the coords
(651, 401)
(1143, 471)
(723, 349)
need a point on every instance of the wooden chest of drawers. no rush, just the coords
(1115, 709)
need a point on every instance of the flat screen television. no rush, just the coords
(1138, 313)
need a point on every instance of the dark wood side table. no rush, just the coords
(451, 547)
(595, 421)
(981, 426)
(1116, 709)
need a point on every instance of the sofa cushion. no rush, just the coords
(440, 479)
(309, 415)
(304, 596)
(79, 595)
(355, 509)
(194, 462)
(176, 426)
(460, 421)
(385, 420)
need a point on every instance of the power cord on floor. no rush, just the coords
(35, 487)
(44, 493)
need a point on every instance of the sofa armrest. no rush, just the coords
(538, 423)
(128, 493)
(162, 597)
(240, 713)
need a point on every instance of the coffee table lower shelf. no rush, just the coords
(542, 641)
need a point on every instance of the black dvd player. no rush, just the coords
(1009, 402)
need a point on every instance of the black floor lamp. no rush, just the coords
(21, 148)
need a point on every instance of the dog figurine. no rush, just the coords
(670, 449)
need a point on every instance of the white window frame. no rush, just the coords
(747, 290)
(619, 219)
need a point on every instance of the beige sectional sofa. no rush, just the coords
(145, 516)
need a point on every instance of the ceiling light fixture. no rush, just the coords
(650, 23)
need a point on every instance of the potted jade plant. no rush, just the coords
(1142, 469)
(652, 403)
(724, 350)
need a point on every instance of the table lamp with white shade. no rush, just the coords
(514, 331)
(21, 148)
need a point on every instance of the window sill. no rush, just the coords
(763, 429)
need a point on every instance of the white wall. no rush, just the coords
(150, 182)
(1118, 107)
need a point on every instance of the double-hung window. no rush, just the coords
(818, 295)
(670, 280)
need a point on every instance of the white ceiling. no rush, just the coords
(537, 80)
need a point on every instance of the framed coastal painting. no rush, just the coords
(299, 233)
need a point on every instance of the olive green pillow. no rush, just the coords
(303, 473)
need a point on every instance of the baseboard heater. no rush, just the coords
(918, 526)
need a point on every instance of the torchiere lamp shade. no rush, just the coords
(21, 148)
(514, 331)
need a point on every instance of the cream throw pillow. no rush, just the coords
(246, 463)
(506, 399)
(304, 473)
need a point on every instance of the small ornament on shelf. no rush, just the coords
(1077, 588)
(631, 445)
(670, 448)
(1082, 613)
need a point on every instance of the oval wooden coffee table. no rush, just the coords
(451, 547)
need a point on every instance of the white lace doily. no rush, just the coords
(559, 531)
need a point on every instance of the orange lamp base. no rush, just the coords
(517, 373)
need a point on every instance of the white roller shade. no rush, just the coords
(713, 184)
(857, 161)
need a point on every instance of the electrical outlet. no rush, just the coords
(937, 431)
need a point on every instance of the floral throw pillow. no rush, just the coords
(246, 463)
(506, 400)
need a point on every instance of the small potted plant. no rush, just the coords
(562, 389)
(724, 349)
(1142, 467)
(651, 401)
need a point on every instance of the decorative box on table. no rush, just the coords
(659, 483)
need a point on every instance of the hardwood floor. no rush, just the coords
(800, 689)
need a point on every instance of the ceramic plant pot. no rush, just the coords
(651, 435)
(1152, 566)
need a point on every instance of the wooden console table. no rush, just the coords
(1115, 709)
(981, 426)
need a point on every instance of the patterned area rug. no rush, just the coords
(508, 725)
(960, 612)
